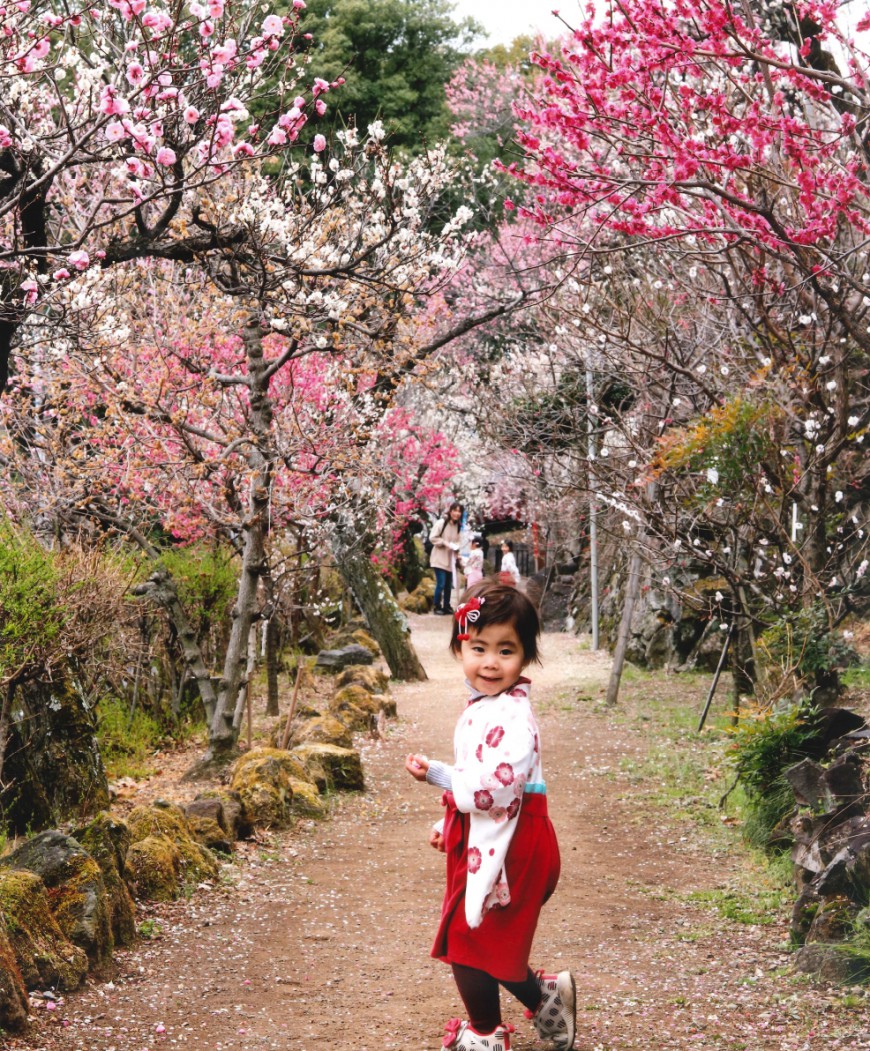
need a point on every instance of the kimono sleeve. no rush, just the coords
(496, 751)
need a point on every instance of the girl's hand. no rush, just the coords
(417, 765)
(436, 840)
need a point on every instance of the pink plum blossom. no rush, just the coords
(165, 155)
(79, 259)
(273, 25)
(30, 290)
(319, 143)
(61, 275)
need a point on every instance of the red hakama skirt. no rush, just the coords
(501, 945)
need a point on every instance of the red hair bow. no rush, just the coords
(467, 613)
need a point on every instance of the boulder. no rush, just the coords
(13, 993)
(363, 638)
(162, 818)
(46, 958)
(324, 729)
(236, 819)
(154, 868)
(107, 840)
(834, 920)
(74, 885)
(307, 800)
(829, 963)
(209, 834)
(372, 679)
(342, 766)
(418, 601)
(356, 707)
(332, 661)
(263, 778)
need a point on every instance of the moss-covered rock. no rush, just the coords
(209, 834)
(417, 602)
(364, 639)
(307, 801)
(13, 994)
(324, 729)
(263, 778)
(163, 818)
(372, 679)
(44, 955)
(76, 892)
(237, 820)
(53, 771)
(358, 696)
(342, 766)
(154, 869)
(107, 840)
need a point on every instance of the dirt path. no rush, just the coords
(320, 937)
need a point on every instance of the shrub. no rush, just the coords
(766, 742)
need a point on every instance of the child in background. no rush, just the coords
(502, 855)
(474, 563)
(509, 572)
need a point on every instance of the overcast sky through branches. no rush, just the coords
(506, 19)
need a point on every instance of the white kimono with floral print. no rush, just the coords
(497, 752)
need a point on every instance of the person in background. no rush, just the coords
(445, 538)
(474, 563)
(509, 572)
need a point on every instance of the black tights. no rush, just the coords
(480, 994)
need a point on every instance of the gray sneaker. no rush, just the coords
(556, 1018)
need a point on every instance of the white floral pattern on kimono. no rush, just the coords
(497, 750)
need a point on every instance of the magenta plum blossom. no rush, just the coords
(505, 773)
(494, 737)
(474, 860)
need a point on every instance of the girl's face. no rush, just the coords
(493, 658)
(456, 514)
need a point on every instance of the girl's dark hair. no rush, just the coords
(454, 506)
(509, 544)
(503, 604)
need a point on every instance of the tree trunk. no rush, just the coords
(387, 623)
(271, 657)
(160, 588)
(223, 733)
(632, 590)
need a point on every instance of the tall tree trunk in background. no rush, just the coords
(632, 590)
(271, 657)
(222, 732)
(387, 623)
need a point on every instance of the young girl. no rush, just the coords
(474, 563)
(502, 854)
(509, 573)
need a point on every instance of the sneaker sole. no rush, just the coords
(567, 990)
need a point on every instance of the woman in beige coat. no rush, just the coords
(443, 557)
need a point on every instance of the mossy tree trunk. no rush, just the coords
(387, 623)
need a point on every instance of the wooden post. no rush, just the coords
(715, 681)
(285, 737)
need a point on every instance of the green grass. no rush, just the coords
(857, 677)
(127, 746)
